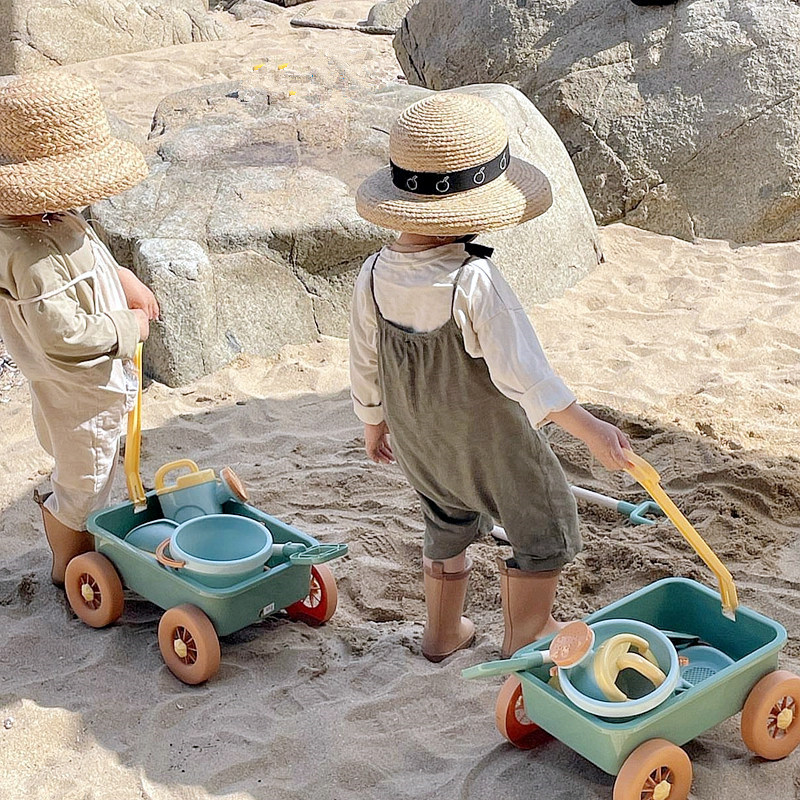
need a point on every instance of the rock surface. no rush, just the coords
(682, 119)
(252, 9)
(389, 13)
(39, 33)
(247, 231)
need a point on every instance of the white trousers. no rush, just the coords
(80, 427)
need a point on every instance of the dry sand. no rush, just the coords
(693, 349)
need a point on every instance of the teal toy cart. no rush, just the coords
(644, 752)
(197, 614)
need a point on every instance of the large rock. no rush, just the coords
(389, 13)
(253, 9)
(247, 231)
(682, 119)
(41, 33)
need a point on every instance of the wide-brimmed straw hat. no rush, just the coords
(451, 172)
(56, 148)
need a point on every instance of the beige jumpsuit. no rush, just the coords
(64, 319)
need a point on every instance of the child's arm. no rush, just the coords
(605, 441)
(63, 329)
(365, 385)
(137, 294)
(500, 331)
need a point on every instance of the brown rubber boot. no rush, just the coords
(65, 544)
(527, 602)
(446, 630)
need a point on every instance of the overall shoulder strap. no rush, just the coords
(372, 285)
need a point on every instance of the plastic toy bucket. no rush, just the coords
(580, 686)
(219, 550)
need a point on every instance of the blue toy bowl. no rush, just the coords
(149, 535)
(579, 684)
(221, 549)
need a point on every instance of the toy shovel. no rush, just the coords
(650, 480)
(569, 647)
(133, 444)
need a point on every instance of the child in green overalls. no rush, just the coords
(443, 356)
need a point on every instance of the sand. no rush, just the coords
(692, 349)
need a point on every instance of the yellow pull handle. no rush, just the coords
(167, 468)
(650, 480)
(133, 444)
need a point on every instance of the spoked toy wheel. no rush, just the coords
(320, 604)
(94, 589)
(511, 719)
(656, 770)
(188, 644)
(770, 724)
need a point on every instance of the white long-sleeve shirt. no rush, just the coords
(414, 290)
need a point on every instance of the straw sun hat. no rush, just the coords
(56, 148)
(451, 172)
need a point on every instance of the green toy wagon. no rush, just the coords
(294, 579)
(644, 751)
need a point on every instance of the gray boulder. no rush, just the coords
(389, 13)
(247, 231)
(253, 9)
(242, 9)
(40, 33)
(682, 119)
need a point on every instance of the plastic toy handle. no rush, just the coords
(173, 465)
(133, 443)
(289, 549)
(645, 474)
(635, 513)
(319, 554)
(507, 666)
(644, 667)
(638, 514)
(164, 559)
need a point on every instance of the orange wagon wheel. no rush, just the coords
(770, 724)
(188, 644)
(94, 589)
(511, 719)
(320, 604)
(656, 770)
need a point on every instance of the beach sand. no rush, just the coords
(693, 349)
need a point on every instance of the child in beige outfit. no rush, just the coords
(69, 314)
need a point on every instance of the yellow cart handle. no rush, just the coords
(645, 474)
(133, 445)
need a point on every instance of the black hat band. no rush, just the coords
(444, 183)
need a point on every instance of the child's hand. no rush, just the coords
(605, 441)
(144, 324)
(138, 295)
(376, 438)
